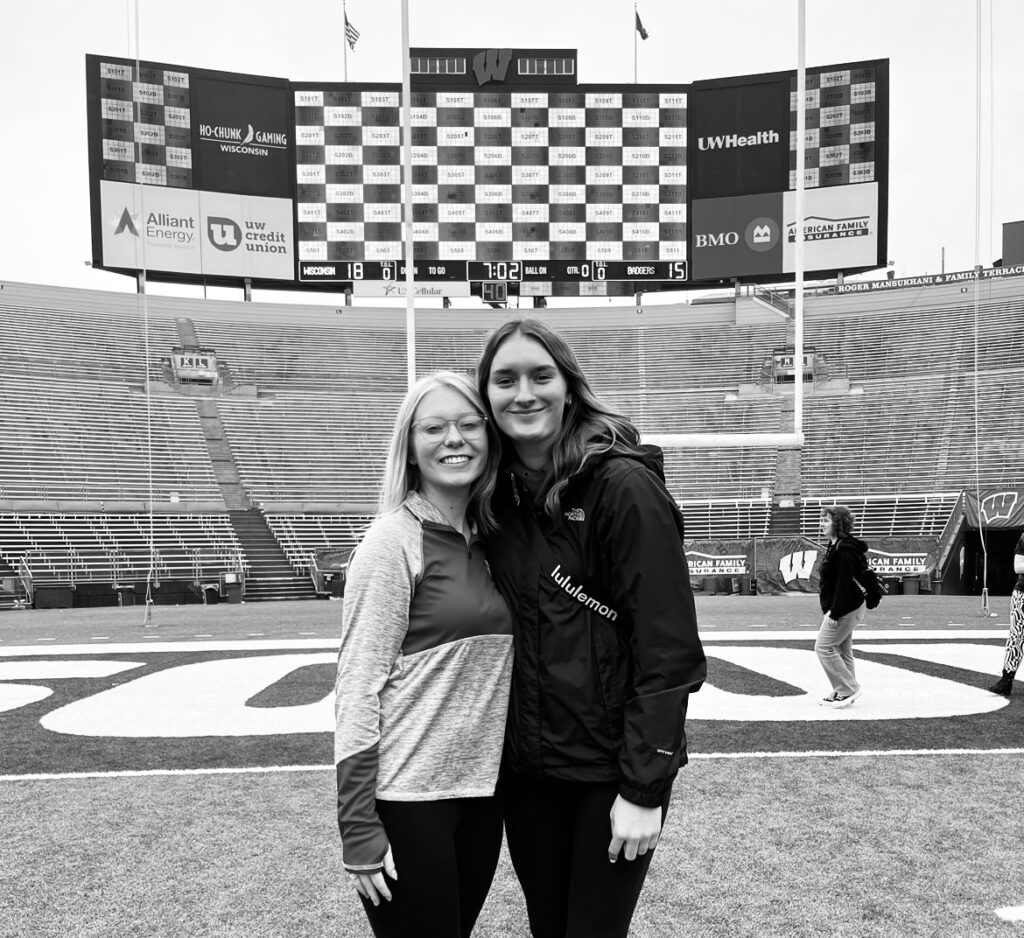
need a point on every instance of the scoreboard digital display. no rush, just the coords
(559, 179)
(520, 177)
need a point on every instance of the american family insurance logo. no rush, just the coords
(819, 228)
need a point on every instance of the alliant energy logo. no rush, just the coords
(225, 234)
(731, 141)
(818, 228)
(159, 226)
(245, 140)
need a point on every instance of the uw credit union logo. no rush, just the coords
(224, 233)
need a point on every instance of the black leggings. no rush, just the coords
(558, 835)
(445, 856)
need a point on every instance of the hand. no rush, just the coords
(372, 886)
(635, 830)
(829, 622)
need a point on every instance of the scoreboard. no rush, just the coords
(510, 186)
(521, 177)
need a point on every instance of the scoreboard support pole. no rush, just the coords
(410, 298)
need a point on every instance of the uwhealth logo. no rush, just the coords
(731, 141)
(576, 592)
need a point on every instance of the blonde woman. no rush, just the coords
(423, 676)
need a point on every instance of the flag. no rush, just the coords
(352, 34)
(640, 26)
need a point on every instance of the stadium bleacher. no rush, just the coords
(308, 395)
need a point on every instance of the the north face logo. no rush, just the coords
(798, 565)
(575, 514)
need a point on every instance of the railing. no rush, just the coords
(24, 588)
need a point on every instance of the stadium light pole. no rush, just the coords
(410, 299)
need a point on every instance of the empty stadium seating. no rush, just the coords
(308, 396)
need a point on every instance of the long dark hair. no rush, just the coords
(589, 427)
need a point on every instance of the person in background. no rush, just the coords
(1015, 639)
(423, 676)
(589, 556)
(842, 603)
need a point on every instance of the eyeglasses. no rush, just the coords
(435, 429)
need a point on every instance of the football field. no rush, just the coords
(174, 778)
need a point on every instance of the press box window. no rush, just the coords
(431, 65)
(547, 67)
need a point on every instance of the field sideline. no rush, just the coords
(787, 822)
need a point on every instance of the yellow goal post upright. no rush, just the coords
(794, 438)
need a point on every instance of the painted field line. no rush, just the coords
(1011, 913)
(270, 769)
(331, 642)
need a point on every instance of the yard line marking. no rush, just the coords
(205, 635)
(269, 769)
(100, 638)
(1011, 913)
(332, 641)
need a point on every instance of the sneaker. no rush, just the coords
(846, 701)
(1004, 686)
(827, 701)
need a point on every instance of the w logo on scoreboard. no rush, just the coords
(224, 234)
(491, 65)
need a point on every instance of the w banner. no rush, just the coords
(793, 564)
(997, 508)
(788, 564)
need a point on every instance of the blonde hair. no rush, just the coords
(401, 476)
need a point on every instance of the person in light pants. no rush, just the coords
(842, 605)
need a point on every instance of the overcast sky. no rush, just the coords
(931, 44)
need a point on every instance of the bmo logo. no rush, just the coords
(720, 240)
(762, 234)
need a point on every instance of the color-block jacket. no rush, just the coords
(423, 674)
(607, 651)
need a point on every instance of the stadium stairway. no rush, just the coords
(8, 598)
(785, 522)
(271, 577)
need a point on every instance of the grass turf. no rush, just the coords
(855, 846)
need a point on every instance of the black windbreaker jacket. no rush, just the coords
(843, 560)
(606, 644)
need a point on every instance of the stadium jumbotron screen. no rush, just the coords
(521, 177)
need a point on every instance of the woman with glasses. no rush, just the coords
(423, 676)
(590, 558)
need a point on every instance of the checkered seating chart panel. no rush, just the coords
(579, 175)
(840, 128)
(145, 125)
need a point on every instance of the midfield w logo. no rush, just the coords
(491, 65)
(798, 565)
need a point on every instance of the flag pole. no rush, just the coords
(635, 14)
(344, 41)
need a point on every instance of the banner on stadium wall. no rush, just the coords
(997, 508)
(719, 558)
(930, 280)
(789, 564)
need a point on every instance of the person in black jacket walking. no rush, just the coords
(590, 558)
(842, 602)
